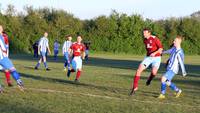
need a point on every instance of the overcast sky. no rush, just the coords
(87, 9)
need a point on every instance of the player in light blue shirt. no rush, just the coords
(43, 47)
(67, 44)
(56, 49)
(6, 63)
(176, 59)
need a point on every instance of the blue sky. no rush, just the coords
(87, 9)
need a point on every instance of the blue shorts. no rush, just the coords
(6, 63)
(43, 54)
(55, 52)
(66, 56)
(169, 75)
(153, 61)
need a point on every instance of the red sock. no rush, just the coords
(7, 74)
(151, 77)
(135, 83)
(78, 74)
(72, 70)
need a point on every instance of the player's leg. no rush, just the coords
(40, 61)
(74, 67)
(155, 66)
(145, 63)
(7, 64)
(8, 80)
(45, 61)
(163, 87)
(79, 69)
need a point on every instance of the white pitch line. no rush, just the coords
(107, 97)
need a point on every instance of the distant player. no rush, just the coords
(87, 48)
(176, 59)
(7, 73)
(43, 47)
(78, 51)
(56, 49)
(35, 49)
(66, 46)
(154, 49)
(6, 63)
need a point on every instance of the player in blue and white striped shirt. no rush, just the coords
(42, 50)
(67, 44)
(6, 63)
(176, 59)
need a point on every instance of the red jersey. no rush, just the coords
(77, 48)
(152, 44)
(5, 37)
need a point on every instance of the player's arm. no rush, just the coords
(39, 46)
(83, 52)
(48, 47)
(168, 51)
(181, 62)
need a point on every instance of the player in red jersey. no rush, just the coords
(153, 58)
(7, 73)
(78, 50)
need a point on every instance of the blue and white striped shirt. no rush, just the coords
(3, 48)
(66, 46)
(176, 59)
(43, 44)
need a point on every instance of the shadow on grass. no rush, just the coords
(62, 81)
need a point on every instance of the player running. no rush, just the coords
(176, 59)
(78, 50)
(154, 49)
(6, 63)
(56, 49)
(7, 73)
(43, 47)
(66, 46)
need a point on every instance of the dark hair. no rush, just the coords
(147, 29)
(80, 36)
(68, 36)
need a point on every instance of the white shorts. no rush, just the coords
(153, 61)
(77, 63)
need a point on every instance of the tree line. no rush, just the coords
(117, 33)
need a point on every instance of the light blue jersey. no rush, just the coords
(176, 59)
(66, 46)
(43, 44)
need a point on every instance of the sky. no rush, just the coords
(88, 9)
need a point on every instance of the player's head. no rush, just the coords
(45, 34)
(1, 29)
(146, 32)
(177, 41)
(79, 38)
(68, 37)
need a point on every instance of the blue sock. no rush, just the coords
(15, 75)
(38, 64)
(45, 64)
(163, 87)
(173, 87)
(68, 65)
(65, 64)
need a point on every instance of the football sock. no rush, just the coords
(173, 87)
(38, 64)
(163, 87)
(15, 75)
(7, 74)
(136, 79)
(151, 77)
(78, 74)
(45, 65)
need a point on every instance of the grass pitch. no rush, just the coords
(104, 87)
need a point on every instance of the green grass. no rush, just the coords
(103, 88)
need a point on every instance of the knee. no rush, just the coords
(163, 79)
